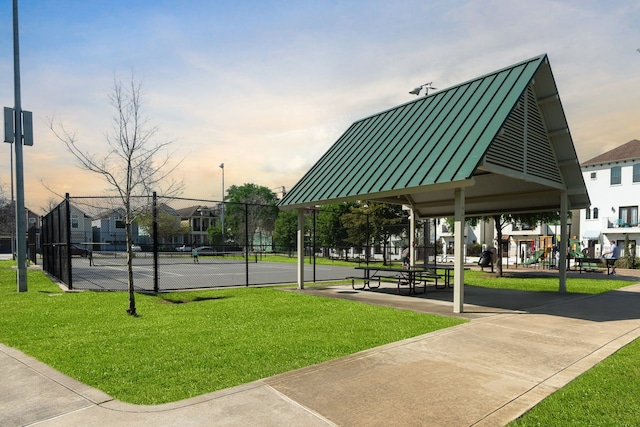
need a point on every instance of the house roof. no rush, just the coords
(503, 136)
(192, 211)
(628, 151)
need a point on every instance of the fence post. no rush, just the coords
(68, 238)
(246, 242)
(156, 285)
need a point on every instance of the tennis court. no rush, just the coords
(181, 272)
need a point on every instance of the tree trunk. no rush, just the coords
(496, 220)
(132, 298)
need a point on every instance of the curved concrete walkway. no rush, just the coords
(518, 348)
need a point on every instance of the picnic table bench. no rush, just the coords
(594, 264)
(402, 277)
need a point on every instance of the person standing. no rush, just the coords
(614, 254)
(194, 252)
(405, 258)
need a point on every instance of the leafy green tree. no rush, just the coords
(532, 219)
(285, 232)
(169, 225)
(330, 230)
(629, 253)
(377, 221)
(249, 208)
(214, 234)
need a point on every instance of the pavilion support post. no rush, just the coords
(412, 238)
(458, 248)
(300, 242)
(564, 243)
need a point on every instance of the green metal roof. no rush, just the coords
(444, 140)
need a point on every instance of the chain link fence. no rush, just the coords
(177, 243)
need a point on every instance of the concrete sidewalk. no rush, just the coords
(518, 348)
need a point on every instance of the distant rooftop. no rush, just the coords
(628, 151)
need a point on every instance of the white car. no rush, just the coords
(183, 248)
(136, 248)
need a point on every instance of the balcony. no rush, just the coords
(614, 222)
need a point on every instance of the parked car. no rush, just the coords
(183, 248)
(79, 251)
(205, 250)
(136, 248)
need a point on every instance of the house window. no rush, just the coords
(616, 175)
(588, 213)
(636, 172)
(595, 213)
(628, 216)
(593, 175)
(119, 223)
(75, 223)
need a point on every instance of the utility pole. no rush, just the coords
(21, 229)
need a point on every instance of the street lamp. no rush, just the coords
(222, 212)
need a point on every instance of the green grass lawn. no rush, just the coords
(530, 282)
(319, 261)
(606, 395)
(189, 343)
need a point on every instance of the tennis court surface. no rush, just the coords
(109, 272)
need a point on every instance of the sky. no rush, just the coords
(266, 87)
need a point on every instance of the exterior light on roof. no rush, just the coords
(426, 87)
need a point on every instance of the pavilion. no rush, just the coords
(499, 143)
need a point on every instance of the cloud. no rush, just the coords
(266, 88)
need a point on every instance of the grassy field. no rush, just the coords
(531, 282)
(189, 343)
(605, 395)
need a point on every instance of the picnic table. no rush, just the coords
(411, 277)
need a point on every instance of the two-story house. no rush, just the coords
(197, 219)
(613, 183)
(80, 227)
(109, 230)
(8, 228)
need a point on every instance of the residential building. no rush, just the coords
(109, 230)
(613, 183)
(81, 226)
(198, 219)
(8, 227)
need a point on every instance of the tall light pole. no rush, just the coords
(21, 224)
(222, 211)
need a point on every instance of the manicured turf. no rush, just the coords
(606, 395)
(530, 282)
(189, 343)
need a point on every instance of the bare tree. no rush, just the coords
(130, 165)
(7, 213)
(51, 205)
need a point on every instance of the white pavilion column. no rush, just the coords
(564, 243)
(412, 238)
(300, 241)
(458, 248)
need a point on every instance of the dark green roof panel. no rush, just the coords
(435, 139)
